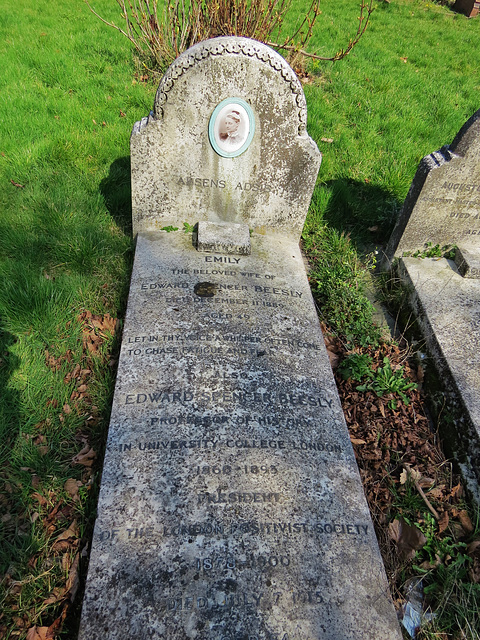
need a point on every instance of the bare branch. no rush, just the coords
(362, 26)
(185, 22)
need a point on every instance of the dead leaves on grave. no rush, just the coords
(399, 457)
(56, 514)
(59, 559)
(96, 331)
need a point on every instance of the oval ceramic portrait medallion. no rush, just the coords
(231, 127)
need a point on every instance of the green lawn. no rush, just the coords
(68, 100)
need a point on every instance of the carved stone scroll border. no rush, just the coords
(231, 45)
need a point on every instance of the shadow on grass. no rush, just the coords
(364, 211)
(9, 432)
(9, 418)
(117, 192)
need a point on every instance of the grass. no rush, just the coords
(404, 91)
(68, 99)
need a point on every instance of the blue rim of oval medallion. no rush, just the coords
(251, 126)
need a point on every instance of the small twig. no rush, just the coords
(304, 53)
(427, 501)
(362, 26)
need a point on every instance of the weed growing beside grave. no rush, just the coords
(428, 532)
(339, 282)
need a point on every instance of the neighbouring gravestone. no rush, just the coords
(443, 208)
(447, 308)
(443, 204)
(231, 507)
(470, 8)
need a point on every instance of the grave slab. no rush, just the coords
(443, 204)
(443, 208)
(231, 505)
(447, 308)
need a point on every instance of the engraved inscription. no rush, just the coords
(238, 529)
(232, 480)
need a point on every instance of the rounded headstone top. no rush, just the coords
(231, 45)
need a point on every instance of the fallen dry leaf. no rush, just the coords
(57, 594)
(55, 628)
(40, 499)
(457, 491)
(407, 538)
(71, 486)
(443, 522)
(426, 483)
(67, 539)
(85, 457)
(473, 551)
(465, 521)
(37, 633)
(437, 492)
(428, 566)
(73, 580)
(71, 532)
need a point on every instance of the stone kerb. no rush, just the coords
(177, 174)
(443, 204)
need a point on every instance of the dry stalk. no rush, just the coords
(186, 22)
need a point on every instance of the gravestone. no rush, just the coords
(231, 506)
(443, 208)
(443, 204)
(470, 8)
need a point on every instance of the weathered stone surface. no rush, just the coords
(231, 506)
(443, 204)
(177, 176)
(447, 307)
(468, 262)
(222, 237)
